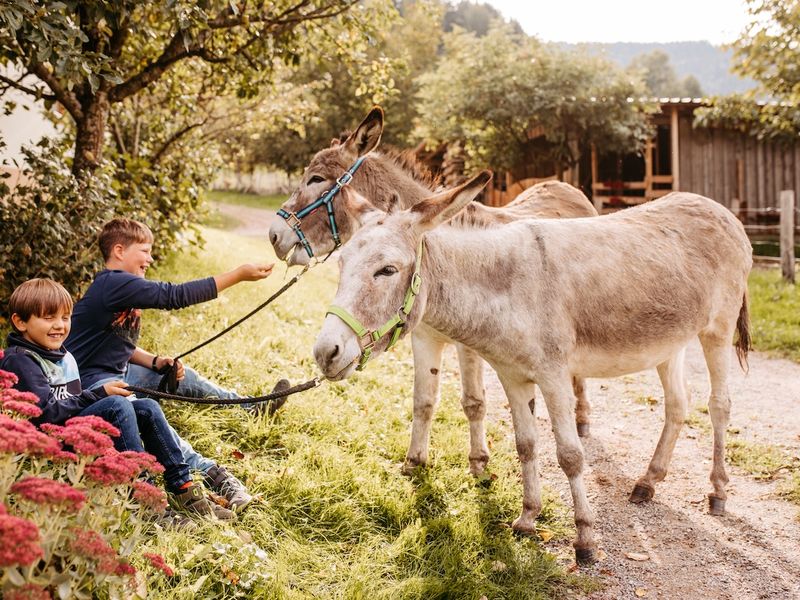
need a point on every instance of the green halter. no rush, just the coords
(366, 338)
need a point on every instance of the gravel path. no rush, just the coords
(253, 222)
(752, 552)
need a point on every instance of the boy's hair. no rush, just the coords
(38, 298)
(125, 232)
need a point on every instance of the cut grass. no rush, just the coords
(774, 314)
(270, 202)
(334, 518)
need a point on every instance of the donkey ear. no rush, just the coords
(335, 142)
(445, 205)
(393, 205)
(367, 136)
(359, 207)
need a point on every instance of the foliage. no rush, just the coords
(475, 17)
(333, 516)
(65, 527)
(499, 92)
(768, 51)
(272, 202)
(659, 76)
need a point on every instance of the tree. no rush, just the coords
(499, 92)
(90, 55)
(655, 69)
(475, 17)
(768, 51)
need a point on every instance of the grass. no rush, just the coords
(271, 202)
(334, 518)
(775, 314)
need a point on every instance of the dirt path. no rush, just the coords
(752, 552)
(253, 222)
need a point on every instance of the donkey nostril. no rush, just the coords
(273, 237)
(334, 353)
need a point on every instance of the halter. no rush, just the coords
(293, 219)
(394, 326)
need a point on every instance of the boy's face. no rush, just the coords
(48, 331)
(134, 259)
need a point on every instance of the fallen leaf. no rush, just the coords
(545, 534)
(499, 566)
(637, 556)
(230, 574)
(238, 454)
(640, 592)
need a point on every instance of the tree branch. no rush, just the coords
(64, 96)
(174, 138)
(33, 92)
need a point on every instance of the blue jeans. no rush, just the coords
(193, 384)
(143, 427)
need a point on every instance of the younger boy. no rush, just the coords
(40, 315)
(108, 320)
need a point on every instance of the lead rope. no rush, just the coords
(169, 381)
(301, 387)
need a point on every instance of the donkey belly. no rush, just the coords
(591, 362)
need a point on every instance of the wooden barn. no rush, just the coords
(737, 170)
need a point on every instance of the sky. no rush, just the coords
(717, 21)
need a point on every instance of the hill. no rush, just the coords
(709, 64)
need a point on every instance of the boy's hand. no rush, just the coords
(117, 388)
(248, 272)
(163, 361)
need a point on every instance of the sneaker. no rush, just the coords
(170, 519)
(271, 406)
(226, 485)
(192, 500)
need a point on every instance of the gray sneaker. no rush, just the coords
(194, 501)
(226, 485)
(271, 407)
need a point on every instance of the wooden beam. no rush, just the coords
(787, 235)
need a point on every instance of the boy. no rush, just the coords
(107, 324)
(40, 315)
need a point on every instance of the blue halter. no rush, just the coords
(293, 219)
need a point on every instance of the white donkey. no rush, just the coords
(544, 301)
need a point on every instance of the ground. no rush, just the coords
(752, 552)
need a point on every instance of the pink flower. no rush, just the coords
(62, 456)
(23, 409)
(94, 422)
(29, 591)
(8, 380)
(112, 469)
(150, 496)
(47, 491)
(83, 439)
(22, 437)
(90, 544)
(159, 563)
(12, 394)
(146, 461)
(19, 541)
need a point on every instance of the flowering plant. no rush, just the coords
(63, 513)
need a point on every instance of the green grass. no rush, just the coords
(774, 314)
(334, 518)
(271, 202)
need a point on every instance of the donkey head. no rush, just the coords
(321, 176)
(378, 275)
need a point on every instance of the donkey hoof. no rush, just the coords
(716, 506)
(583, 429)
(411, 467)
(641, 493)
(585, 556)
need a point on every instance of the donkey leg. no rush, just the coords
(676, 400)
(569, 451)
(717, 351)
(427, 362)
(473, 401)
(527, 439)
(582, 406)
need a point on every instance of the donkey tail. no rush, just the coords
(743, 343)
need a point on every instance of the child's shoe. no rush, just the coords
(272, 406)
(193, 500)
(226, 485)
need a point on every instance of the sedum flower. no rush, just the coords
(112, 469)
(95, 423)
(22, 437)
(19, 541)
(84, 440)
(159, 563)
(23, 409)
(150, 496)
(29, 591)
(47, 491)
(145, 460)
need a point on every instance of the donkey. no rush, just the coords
(389, 179)
(547, 300)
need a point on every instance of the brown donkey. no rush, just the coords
(544, 301)
(391, 179)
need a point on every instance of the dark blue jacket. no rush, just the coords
(50, 374)
(107, 320)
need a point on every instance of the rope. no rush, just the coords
(155, 394)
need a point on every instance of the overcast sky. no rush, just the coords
(718, 21)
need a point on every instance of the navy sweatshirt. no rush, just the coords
(50, 374)
(107, 320)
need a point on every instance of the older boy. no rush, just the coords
(40, 315)
(107, 323)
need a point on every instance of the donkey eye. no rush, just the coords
(386, 271)
(316, 179)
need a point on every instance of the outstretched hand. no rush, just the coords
(248, 272)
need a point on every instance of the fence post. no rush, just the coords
(787, 235)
